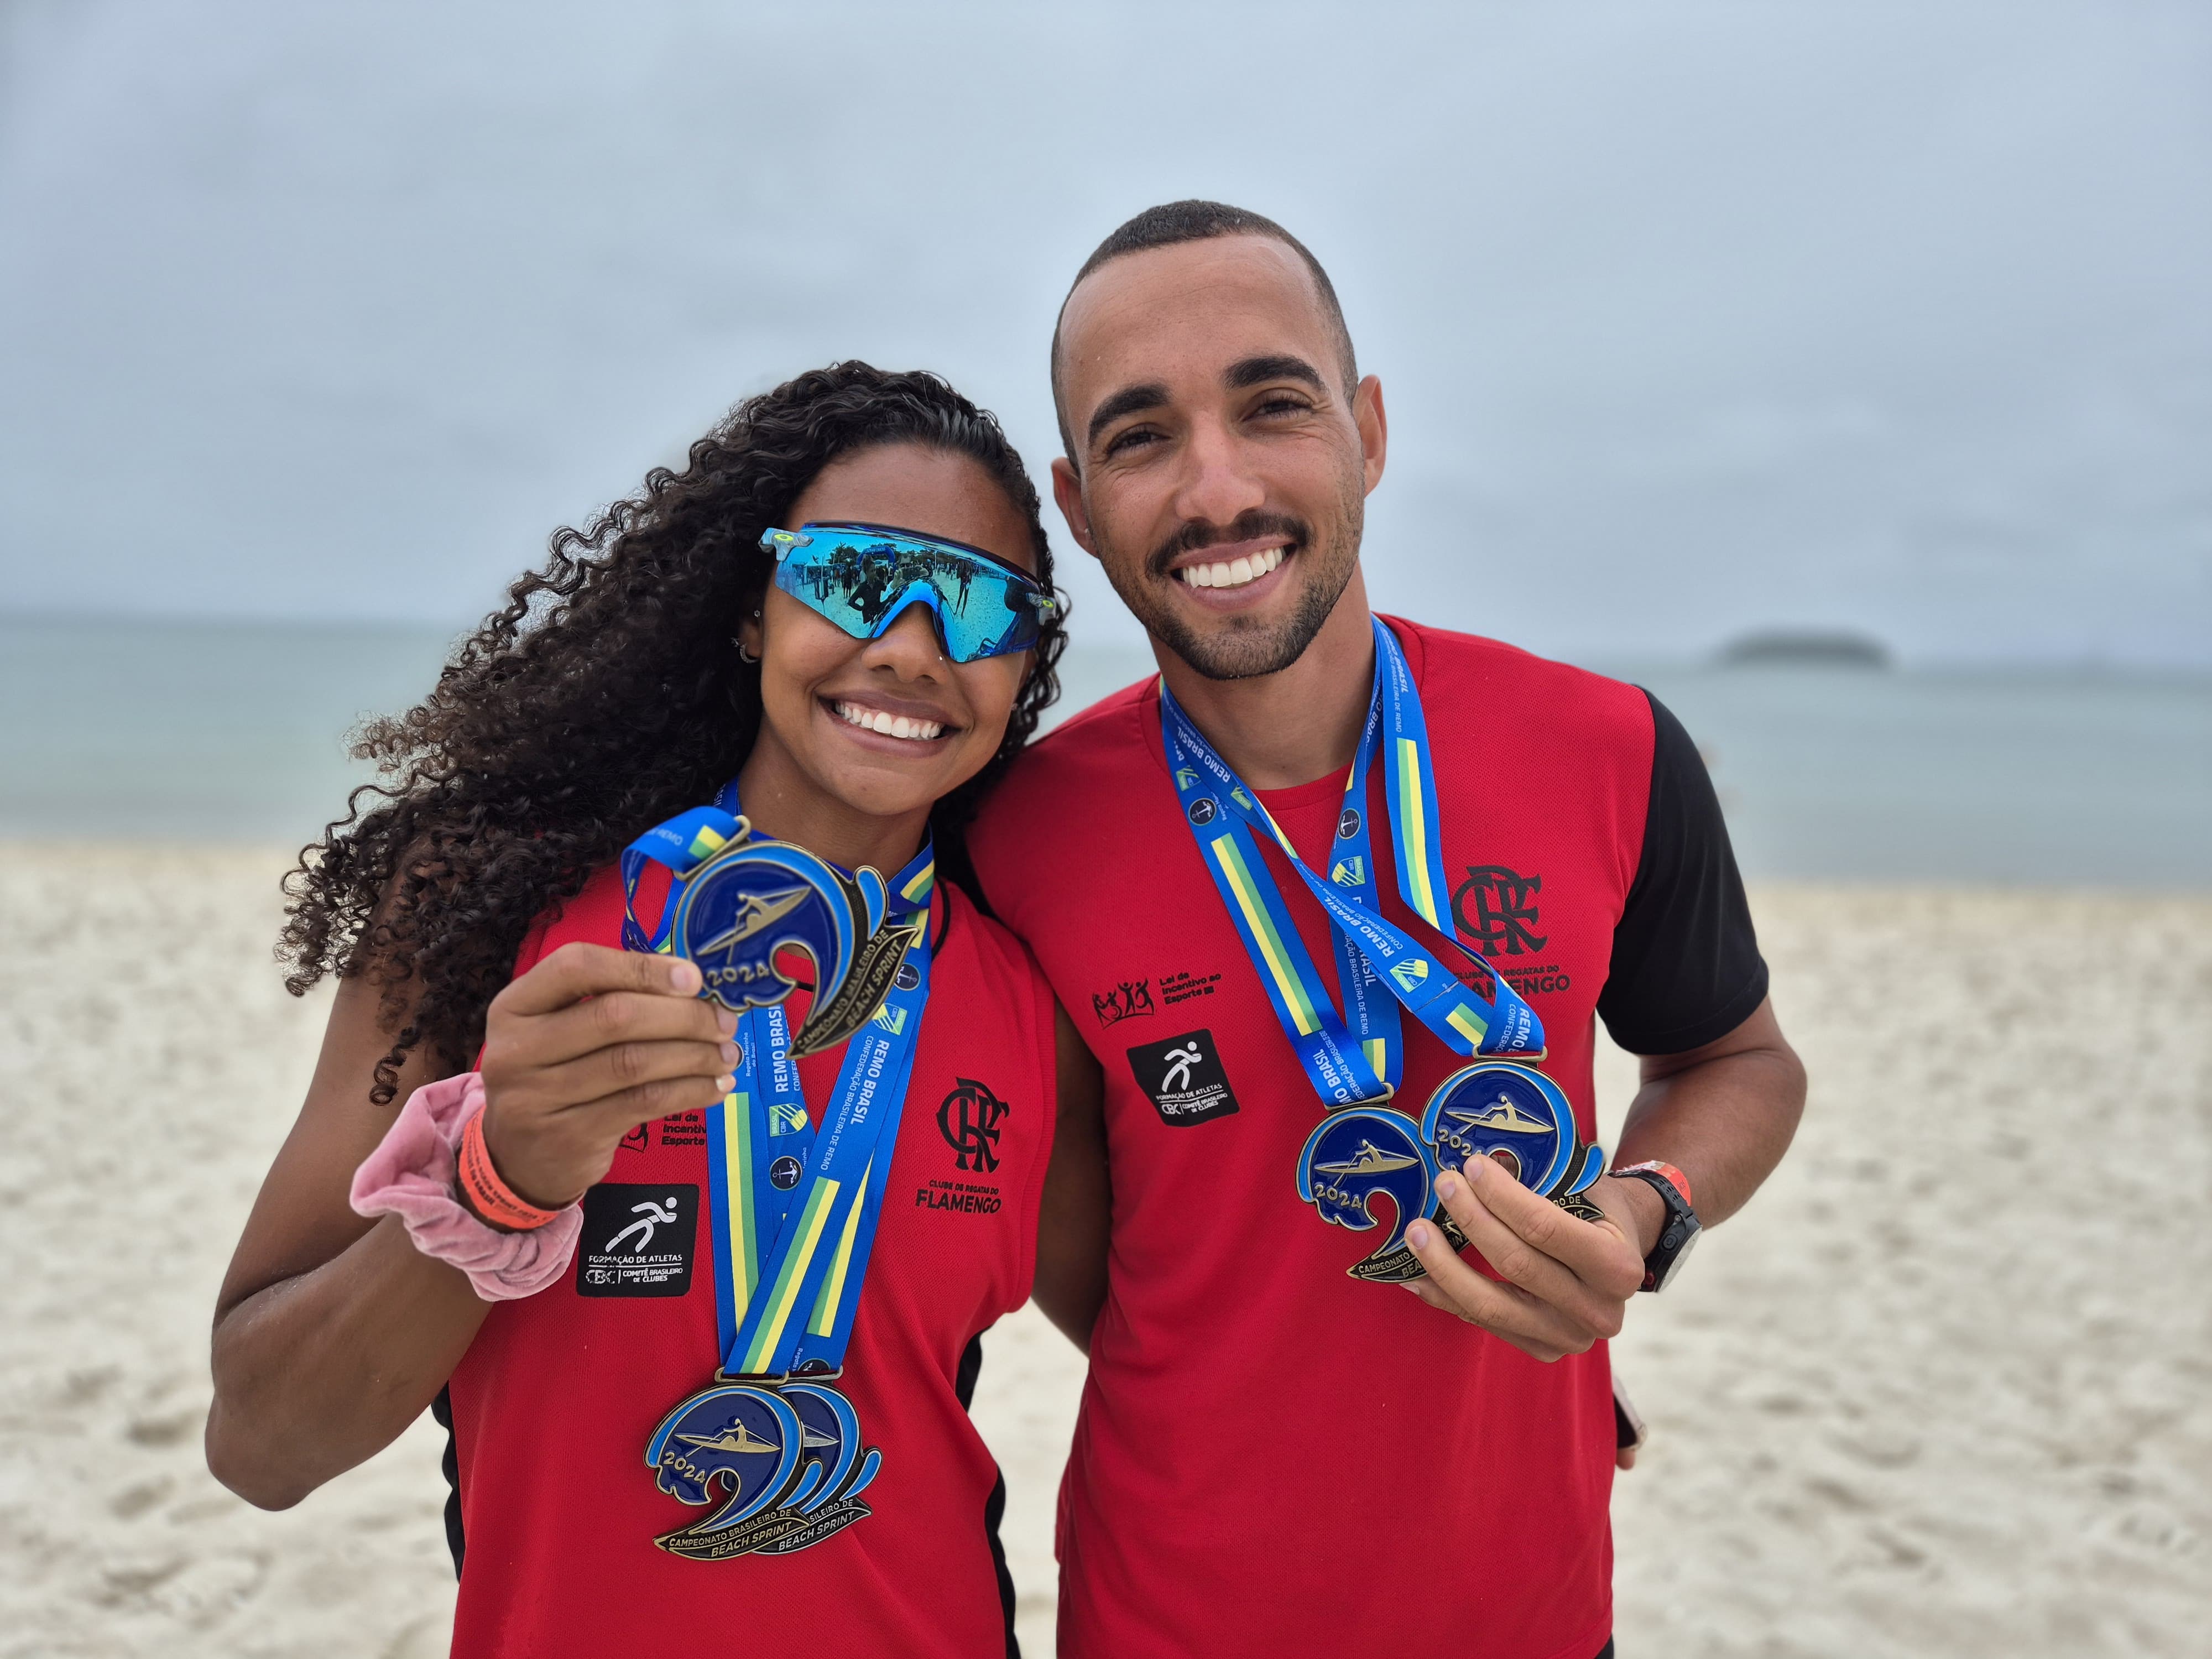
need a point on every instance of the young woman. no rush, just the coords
(698, 1297)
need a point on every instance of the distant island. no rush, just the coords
(1804, 648)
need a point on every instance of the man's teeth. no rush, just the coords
(891, 725)
(1233, 573)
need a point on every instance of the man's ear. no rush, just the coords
(1067, 490)
(1374, 426)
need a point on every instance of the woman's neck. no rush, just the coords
(781, 801)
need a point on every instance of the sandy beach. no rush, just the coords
(1945, 1387)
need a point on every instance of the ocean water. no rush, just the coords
(114, 729)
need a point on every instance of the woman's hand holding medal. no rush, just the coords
(588, 1044)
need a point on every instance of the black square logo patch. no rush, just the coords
(638, 1239)
(1183, 1077)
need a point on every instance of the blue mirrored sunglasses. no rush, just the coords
(863, 577)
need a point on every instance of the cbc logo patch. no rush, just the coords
(1181, 1075)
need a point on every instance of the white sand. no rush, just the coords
(1946, 1389)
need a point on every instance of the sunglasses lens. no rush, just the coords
(980, 611)
(991, 619)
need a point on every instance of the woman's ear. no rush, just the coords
(748, 638)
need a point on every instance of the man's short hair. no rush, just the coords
(1175, 222)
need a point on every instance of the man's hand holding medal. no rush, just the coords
(1562, 1283)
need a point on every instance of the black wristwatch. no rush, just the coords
(1682, 1227)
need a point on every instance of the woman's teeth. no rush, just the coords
(1235, 573)
(891, 725)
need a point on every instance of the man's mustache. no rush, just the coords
(1195, 533)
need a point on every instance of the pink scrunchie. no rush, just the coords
(411, 1175)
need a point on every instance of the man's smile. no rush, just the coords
(1215, 571)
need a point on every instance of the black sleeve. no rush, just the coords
(1686, 965)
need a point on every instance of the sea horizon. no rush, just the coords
(123, 727)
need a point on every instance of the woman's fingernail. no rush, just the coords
(729, 1053)
(682, 977)
(1418, 1236)
(1446, 1185)
(724, 1083)
(727, 1019)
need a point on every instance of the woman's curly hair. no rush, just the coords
(607, 696)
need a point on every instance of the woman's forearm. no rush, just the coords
(318, 1372)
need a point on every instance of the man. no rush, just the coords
(1274, 1456)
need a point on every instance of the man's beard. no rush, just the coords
(1234, 647)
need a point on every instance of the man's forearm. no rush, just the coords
(1723, 1118)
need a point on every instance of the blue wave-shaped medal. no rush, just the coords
(1353, 1157)
(1496, 1107)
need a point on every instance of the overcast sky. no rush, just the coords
(1691, 317)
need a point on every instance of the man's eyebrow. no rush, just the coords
(1253, 371)
(1151, 394)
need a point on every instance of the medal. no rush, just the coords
(775, 1452)
(739, 903)
(1354, 1059)
(790, 1458)
(1519, 1117)
(1359, 1152)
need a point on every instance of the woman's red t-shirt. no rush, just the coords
(554, 1400)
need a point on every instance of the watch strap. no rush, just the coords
(1673, 1176)
(1681, 1226)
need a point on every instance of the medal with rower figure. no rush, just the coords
(1365, 1148)
(771, 1448)
(751, 901)
(790, 1458)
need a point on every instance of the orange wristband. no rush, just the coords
(494, 1200)
(1673, 1176)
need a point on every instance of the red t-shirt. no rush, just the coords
(1273, 1458)
(554, 1400)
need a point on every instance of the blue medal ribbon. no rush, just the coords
(791, 1255)
(795, 1210)
(679, 846)
(1361, 1060)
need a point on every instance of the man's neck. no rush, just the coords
(1284, 729)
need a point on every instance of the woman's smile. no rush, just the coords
(906, 726)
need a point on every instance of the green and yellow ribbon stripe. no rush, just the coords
(784, 1292)
(1261, 925)
(1416, 857)
(916, 892)
(736, 1198)
(833, 1287)
(1470, 1024)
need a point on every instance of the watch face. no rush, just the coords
(1667, 1274)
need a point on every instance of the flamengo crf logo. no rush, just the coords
(968, 1121)
(1496, 907)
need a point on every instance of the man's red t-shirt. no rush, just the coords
(553, 1404)
(1273, 1458)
